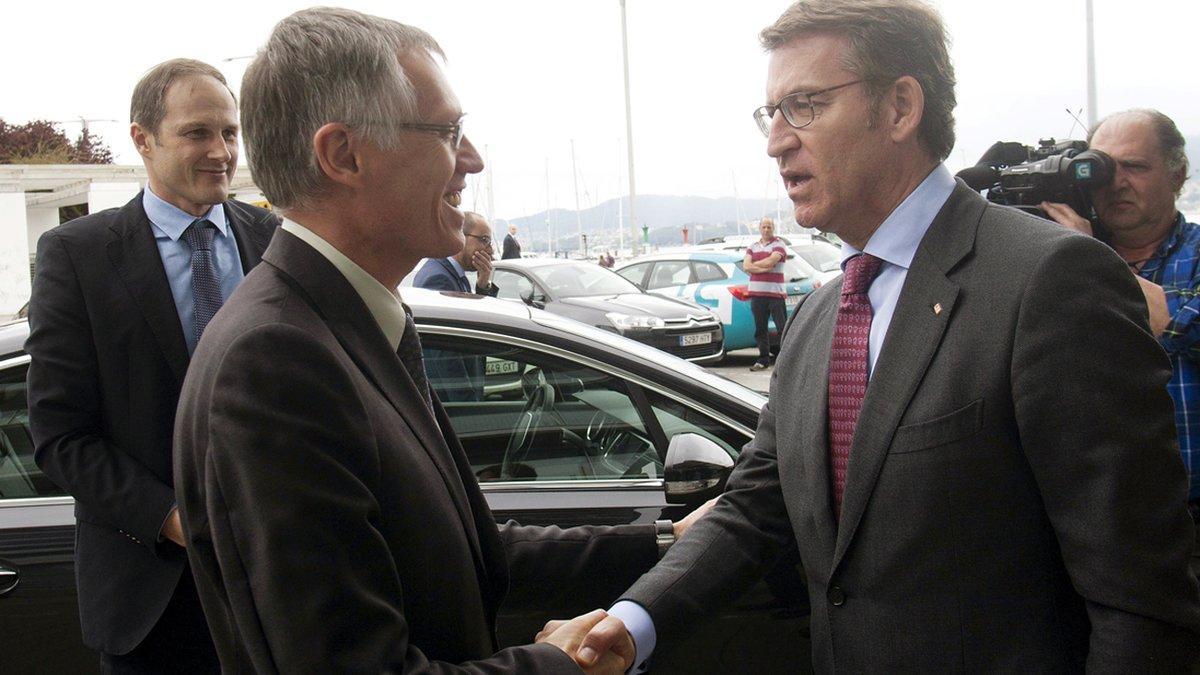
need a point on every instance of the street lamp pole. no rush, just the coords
(629, 134)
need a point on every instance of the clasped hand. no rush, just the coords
(599, 643)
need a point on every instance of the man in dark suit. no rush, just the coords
(450, 274)
(119, 300)
(512, 247)
(969, 436)
(331, 514)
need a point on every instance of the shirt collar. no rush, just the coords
(897, 238)
(1174, 239)
(384, 305)
(458, 268)
(170, 221)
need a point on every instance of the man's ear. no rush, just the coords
(903, 108)
(141, 138)
(337, 149)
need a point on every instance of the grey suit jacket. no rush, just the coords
(108, 359)
(1015, 498)
(333, 521)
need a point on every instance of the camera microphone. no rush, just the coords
(980, 176)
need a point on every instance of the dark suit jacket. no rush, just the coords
(438, 274)
(108, 359)
(333, 521)
(512, 248)
(1015, 499)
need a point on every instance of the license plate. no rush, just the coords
(695, 339)
(792, 300)
(496, 367)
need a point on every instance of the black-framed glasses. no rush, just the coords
(798, 108)
(483, 239)
(449, 132)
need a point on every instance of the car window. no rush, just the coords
(527, 416)
(19, 476)
(513, 286)
(823, 257)
(706, 271)
(678, 418)
(670, 273)
(635, 273)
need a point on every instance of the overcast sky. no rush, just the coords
(536, 74)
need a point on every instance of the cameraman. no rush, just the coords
(1143, 226)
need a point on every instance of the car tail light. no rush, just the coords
(741, 292)
(816, 284)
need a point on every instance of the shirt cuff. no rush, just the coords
(641, 627)
(163, 526)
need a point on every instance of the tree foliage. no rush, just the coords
(42, 142)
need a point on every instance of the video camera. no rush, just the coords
(1022, 176)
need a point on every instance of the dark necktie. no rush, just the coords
(206, 288)
(464, 284)
(410, 355)
(848, 366)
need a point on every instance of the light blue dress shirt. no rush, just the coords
(168, 222)
(895, 242)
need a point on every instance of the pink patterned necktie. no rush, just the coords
(848, 366)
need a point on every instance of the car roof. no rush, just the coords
(713, 255)
(533, 263)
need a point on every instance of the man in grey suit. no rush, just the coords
(969, 436)
(332, 517)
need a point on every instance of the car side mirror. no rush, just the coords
(696, 469)
(533, 299)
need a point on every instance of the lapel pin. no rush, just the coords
(937, 308)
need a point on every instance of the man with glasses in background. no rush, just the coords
(450, 274)
(969, 437)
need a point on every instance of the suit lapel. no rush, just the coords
(252, 235)
(814, 389)
(459, 280)
(134, 254)
(912, 339)
(352, 324)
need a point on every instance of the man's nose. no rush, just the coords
(783, 137)
(468, 160)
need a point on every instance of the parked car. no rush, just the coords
(573, 425)
(586, 292)
(713, 278)
(822, 257)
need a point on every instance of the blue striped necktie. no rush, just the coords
(206, 288)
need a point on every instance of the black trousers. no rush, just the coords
(178, 643)
(763, 309)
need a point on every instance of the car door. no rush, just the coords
(39, 612)
(556, 438)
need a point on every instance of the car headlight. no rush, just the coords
(624, 322)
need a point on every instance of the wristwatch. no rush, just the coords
(664, 536)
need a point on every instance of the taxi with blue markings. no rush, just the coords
(714, 279)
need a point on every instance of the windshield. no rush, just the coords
(820, 256)
(582, 279)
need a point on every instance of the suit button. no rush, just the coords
(836, 596)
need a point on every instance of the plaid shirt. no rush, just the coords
(1176, 267)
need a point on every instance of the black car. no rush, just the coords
(589, 293)
(566, 425)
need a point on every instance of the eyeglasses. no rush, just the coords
(483, 239)
(798, 109)
(449, 132)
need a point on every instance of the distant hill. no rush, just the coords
(665, 215)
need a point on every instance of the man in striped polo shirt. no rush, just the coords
(764, 264)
